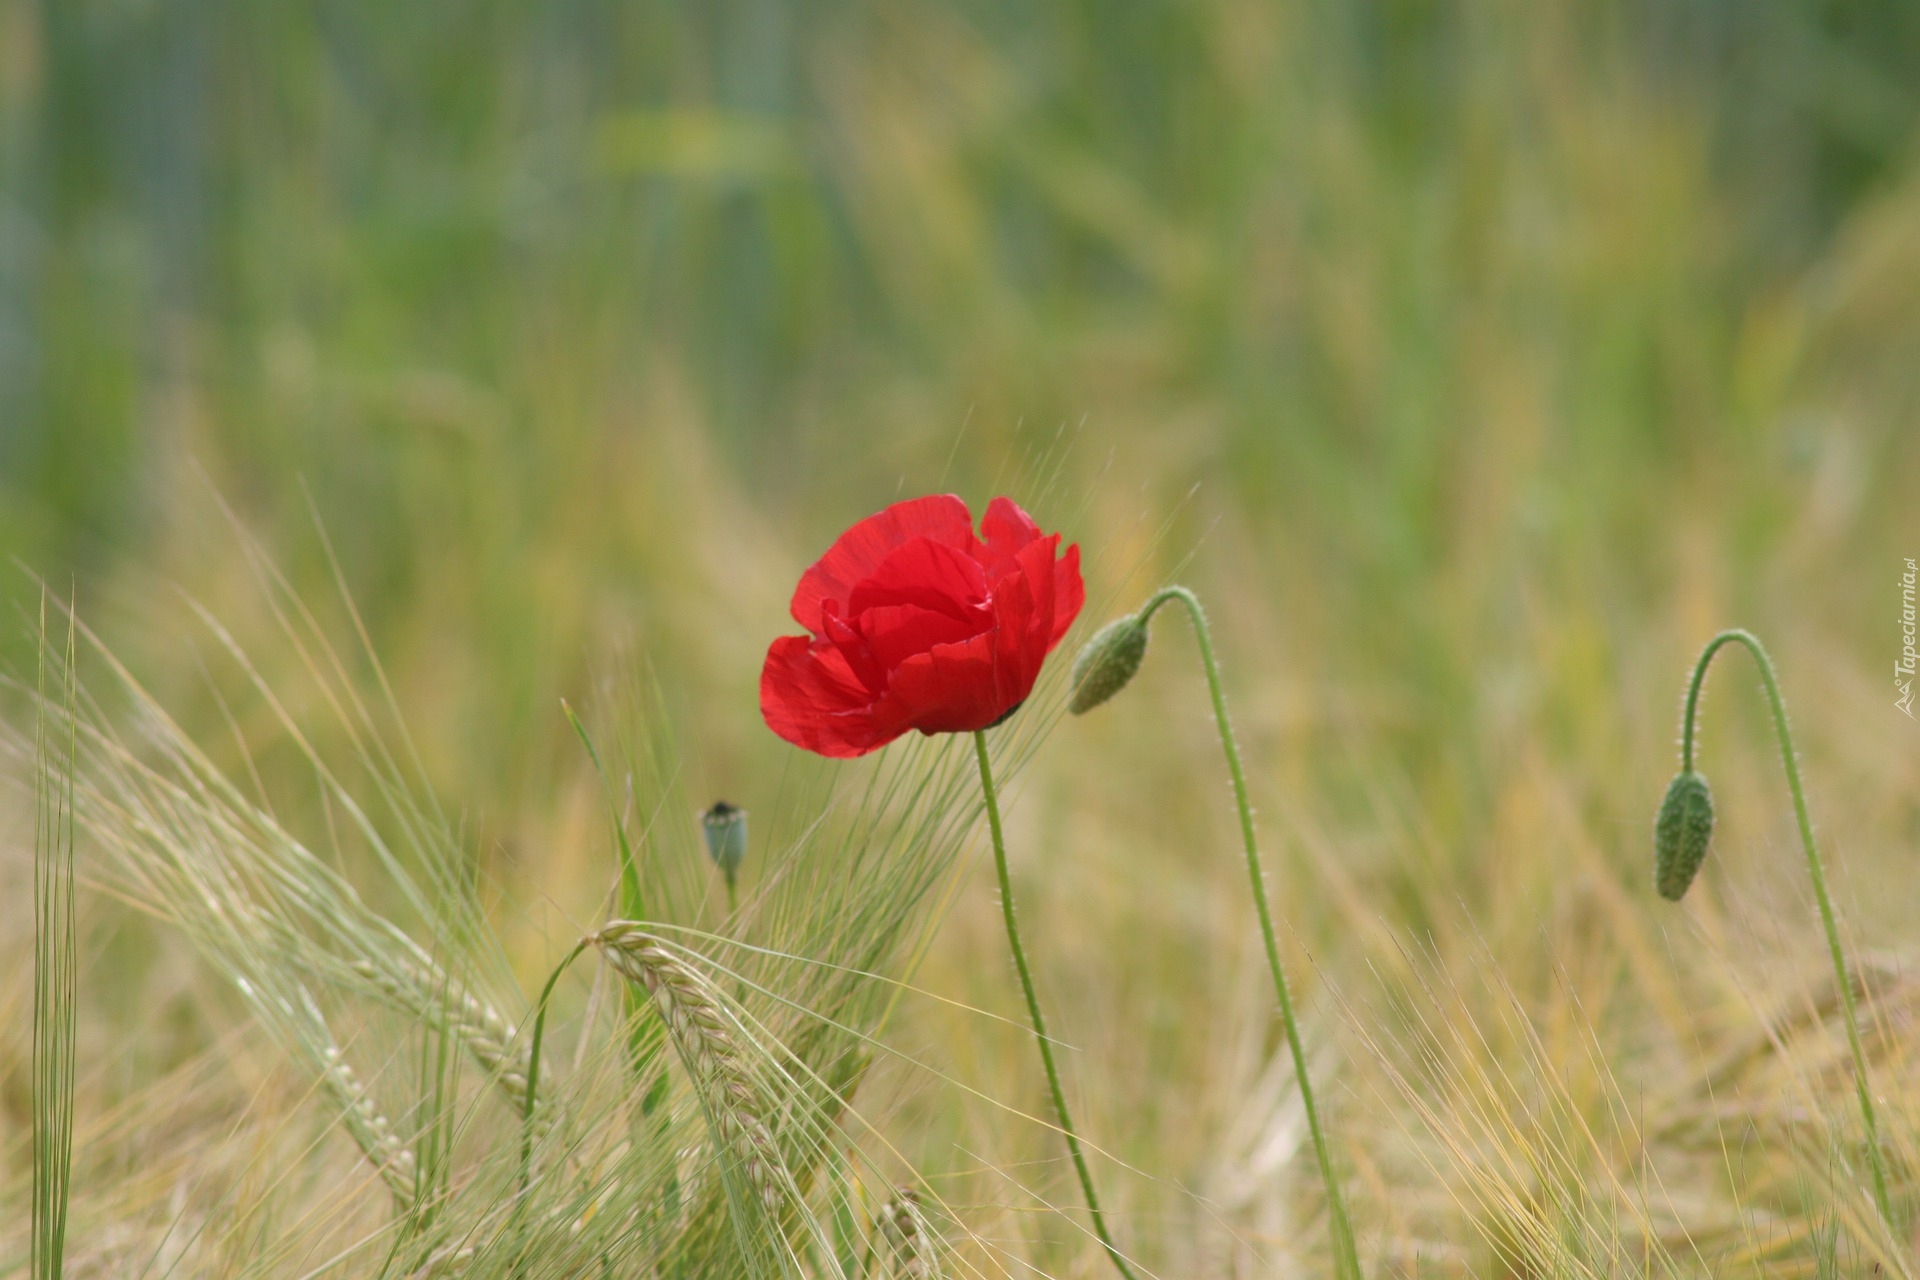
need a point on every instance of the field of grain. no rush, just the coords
(408, 396)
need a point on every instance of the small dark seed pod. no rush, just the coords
(1106, 662)
(1681, 834)
(725, 827)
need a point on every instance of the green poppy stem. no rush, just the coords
(1346, 1255)
(1033, 1008)
(1814, 868)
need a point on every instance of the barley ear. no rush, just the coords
(429, 995)
(370, 1130)
(902, 1226)
(707, 1043)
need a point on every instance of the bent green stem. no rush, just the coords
(1033, 1008)
(533, 1063)
(1814, 868)
(1346, 1255)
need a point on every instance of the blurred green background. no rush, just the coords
(1465, 348)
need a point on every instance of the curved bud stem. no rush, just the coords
(1814, 868)
(1033, 1009)
(1346, 1255)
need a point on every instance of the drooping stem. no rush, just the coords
(1814, 869)
(1033, 1008)
(1346, 1256)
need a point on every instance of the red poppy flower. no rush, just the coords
(915, 623)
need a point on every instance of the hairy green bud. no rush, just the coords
(1681, 834)
(1106, 662)
(725, 827)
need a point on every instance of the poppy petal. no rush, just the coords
(1069, 593)
(861, 661)
(894, 633)
(951, 688)
(856, 553)
(1017, 656)
(1005, 530)
(925, 573)
(810, 697)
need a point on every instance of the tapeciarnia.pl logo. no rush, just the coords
(1903, 669)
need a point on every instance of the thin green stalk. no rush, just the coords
(1814, 868)
(533, 1063)
(1346, 1255)
(54, 971)
(644, 1034)
(1033, 1008)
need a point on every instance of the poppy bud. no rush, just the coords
(1681, 833)
(1107, 662)
(725, 826)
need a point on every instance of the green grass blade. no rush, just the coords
(54, 964)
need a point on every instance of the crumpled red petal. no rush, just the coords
(1064, 591)
(1069, 593)
(1005, 531)
(928, 574)
(1018, 656)
(856, 553)
(893, 634)
(861, 661)
(952, 688)
(810, 697)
